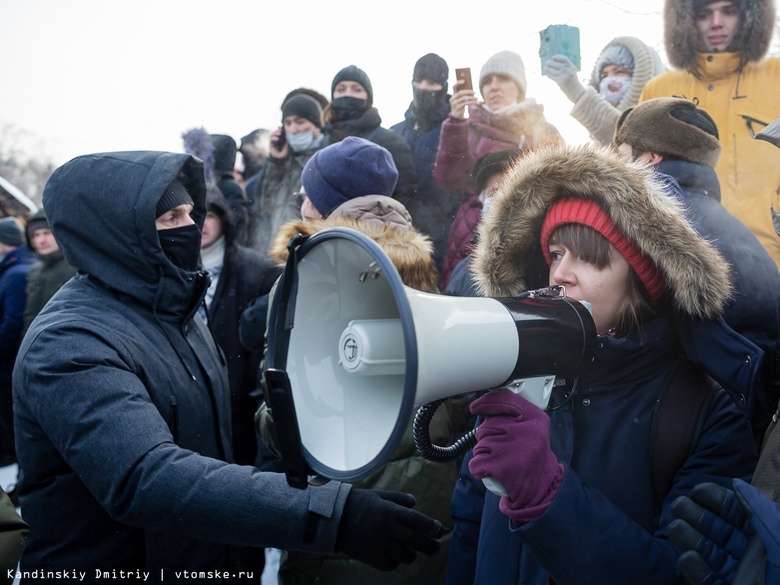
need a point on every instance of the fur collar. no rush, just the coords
(508, 253)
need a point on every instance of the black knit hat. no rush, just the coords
(174, 195)
(353, 73)
(433, 68)
(225, 150)
(11, 232)
(493, 163)
(671, 127)
(303, 106)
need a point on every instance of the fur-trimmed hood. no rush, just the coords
(681, 37)
(410, 251)
(508, 257)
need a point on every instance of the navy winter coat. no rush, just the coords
(755, 309)
(122, 407)
(14, 270)
(600, 525)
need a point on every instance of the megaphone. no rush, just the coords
(361, 350)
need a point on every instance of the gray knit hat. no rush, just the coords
(671, 127)
(616, 55)
(11, 232)
(505, 63)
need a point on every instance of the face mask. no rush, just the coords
(620, 86)
(486, 205)
(182, 246)
(349, 108)
(300, 141)
(427, 101)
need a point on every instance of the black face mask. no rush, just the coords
(182, 246)
(349, 108)
(427, 101)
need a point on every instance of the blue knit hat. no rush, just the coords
(351, 168)
(615, 55)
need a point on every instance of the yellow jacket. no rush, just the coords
(741, 103)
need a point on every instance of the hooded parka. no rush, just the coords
(122, 403)
(601, 526)
(740, 91)
(596, 113)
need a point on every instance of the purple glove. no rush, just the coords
(513, 447)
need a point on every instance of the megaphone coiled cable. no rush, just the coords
(421, 429)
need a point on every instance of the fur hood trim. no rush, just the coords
(681, 36)
(508, 249)
(410, 251)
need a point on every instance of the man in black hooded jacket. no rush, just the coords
(123, 409)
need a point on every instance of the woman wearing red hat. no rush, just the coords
(583, 501)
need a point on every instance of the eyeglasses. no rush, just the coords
(299, 197)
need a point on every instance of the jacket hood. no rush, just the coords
(102, 210)
(216, 202)
(508, 256)
(410, 251)
(681, 36)
(647, 64)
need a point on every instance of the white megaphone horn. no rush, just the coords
(352, 351)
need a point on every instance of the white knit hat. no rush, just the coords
(505, 63)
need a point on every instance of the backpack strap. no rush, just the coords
(677, 424)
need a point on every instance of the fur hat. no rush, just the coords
(347, 169)
(174, 195)
(11, 233)
(433, 68)
(303, 106)
(505, 63)
(353, 73)
(671, 127)
(508, 258)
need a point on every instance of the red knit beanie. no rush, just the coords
(588, 213)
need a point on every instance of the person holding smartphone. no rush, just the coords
(504, 119)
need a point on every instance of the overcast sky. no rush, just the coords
(99, 75)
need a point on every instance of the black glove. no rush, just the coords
(381, 529)
(712, 533)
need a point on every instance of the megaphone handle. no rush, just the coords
(287, 432)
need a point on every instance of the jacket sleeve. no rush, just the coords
(114, 438)
(584, 533)
(468, 500)
(452, 170)
(13, 301)
(597, 115)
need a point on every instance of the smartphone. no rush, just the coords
(464, 74)
(281, 141)
(560, 39)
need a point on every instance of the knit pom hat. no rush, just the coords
(588, 213)
(494, 163)
(303, 106)
(616, 55)
(351, 168)
(353, 73)
(174, 195)
(671, 127)
(433, 68)
(11, 232)
(505, 63)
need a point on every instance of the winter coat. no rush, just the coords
(14, 269)
(754, 310)
(246, 274)
(368, 127)
(600, 525)
(381, 218)
(739, 91)
(131, 470)
(275, 204)
(236, 198)
(463, 143)
(596, 113)
(436, 208)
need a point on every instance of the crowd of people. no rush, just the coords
(133, 394)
